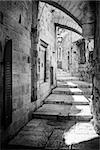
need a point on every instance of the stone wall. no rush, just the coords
(66, 51)
(75, 60)
(85, 62)
(19, 22)
(81, 64)
(46, 34)
(15, 24)
(96, 72)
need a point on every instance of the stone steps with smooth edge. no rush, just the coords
(72, 91)
(68, 79)
(74, 84)
(66, 103)
(61, 118)
(68, 112)
(67, 99)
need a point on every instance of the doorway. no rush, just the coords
(51, 75)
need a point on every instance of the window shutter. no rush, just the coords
(8, 83)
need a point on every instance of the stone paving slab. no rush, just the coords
(55, 139)
(59, 135)
(80, 110)
(67, 99)
(51, 109)
(76, 112)
(33, 137)
(81, 135)
(36, 138)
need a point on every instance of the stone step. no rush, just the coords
(73, 86)
(66, 103)
(68, 79)
(61, 117)
(78, 84)
(67, 99)
(63, 75)
(72, 91)
(60, 112)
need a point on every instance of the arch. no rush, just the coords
(55, 4)
(68, 28)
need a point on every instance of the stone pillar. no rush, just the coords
(34, 52)
(88, 19)
(91, 29)
(96, 73)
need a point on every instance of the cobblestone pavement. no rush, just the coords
(63, 122)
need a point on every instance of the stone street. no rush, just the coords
(63, 121)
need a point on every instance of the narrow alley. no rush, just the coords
(63, 121)
(50, 74)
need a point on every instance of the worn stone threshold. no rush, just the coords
(73, 86)
(59, 117)
(69, 79)
(71, 93)
(66, 103)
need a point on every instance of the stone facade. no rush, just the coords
(75, 60)
(32, 32)
(77, 55)
(85, 59)
(18, 22)
(15, 25)
(46, 50)
(66, 52)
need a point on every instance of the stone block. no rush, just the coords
(88, 30)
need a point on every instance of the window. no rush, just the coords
(82, 53)
(45, 57)
(90, 56)
(59, 53)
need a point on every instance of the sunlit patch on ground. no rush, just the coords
(80, 132)
(71, 84)
(79, 98)
(75, 90)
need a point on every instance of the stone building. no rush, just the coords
(28, 56)
(66, 52)
(28, 61)
(70, 59)
(77, 55)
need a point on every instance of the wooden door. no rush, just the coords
(7, 105)
(51, 75)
